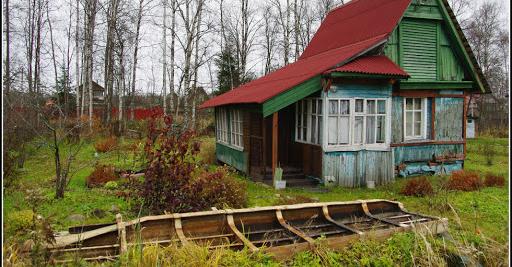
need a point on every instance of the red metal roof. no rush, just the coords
(346, 32)
(380, 65)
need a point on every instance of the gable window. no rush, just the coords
(415, 118)
(308, 121)
(357, 122)
(236, 128)
(229, 127)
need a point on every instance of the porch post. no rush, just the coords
(274, 143)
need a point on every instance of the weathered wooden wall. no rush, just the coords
(425, 153)
(448, 119)
(233, 157)
(355, 168)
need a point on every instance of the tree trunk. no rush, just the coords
(164, 58)
(196, 69)
(77, 60)
(134, 72)
(173, 41)
(7, 62)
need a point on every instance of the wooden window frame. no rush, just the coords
(305, 117)
(236, 129)
(222, 131)
(423, 126)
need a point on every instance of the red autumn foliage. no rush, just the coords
(418, 187)
(168, 182)
(494, 180)
(106, 145)
(464, 181)
(101, 175)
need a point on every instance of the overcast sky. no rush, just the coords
(149, 73)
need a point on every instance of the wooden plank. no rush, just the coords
(369, 214)
(275, 125)
(232, 226)
(179, 230)
(288, 227)
(464, 121)
(428, 143)
(121, 231)
(433, 119)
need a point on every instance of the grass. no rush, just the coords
(474, 217)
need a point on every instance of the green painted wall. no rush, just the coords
(233, 157)
(448, 123)
(423, 46)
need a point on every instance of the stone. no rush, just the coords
(98, 213)
(76, 217)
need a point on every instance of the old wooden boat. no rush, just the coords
(278, 230)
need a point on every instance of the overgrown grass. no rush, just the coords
(477, 219)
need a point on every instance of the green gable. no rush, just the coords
(427, 46)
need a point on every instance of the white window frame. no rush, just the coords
(423, 135)
(236, 129)
(305, 118)
(222, 126)
(351, 146)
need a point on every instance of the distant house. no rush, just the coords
(98, 94)
(380, 91)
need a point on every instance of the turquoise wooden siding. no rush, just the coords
(448, 122)
(418, 40)
(351, 90)
(355, 168)
(397, 119)
(233, 157)
(424, 153)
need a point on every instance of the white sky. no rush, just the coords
(150, 52)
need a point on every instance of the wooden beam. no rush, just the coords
(121, 231)
(275, 120)
(464, 121)
(264, 148)
(420, 143)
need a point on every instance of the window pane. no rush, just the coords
(319, 106)
(333, 106)
(417, 103)
(359, 105)
(381, 129)
(344, 130)
(344, 107)
(304, 133)
(332, 130)
(313, 106)
(417, 123)
(370, 106)
(358, 130)
(381, 106)
(408, 104)
(408, 124)
(370, 129)
(313, 129)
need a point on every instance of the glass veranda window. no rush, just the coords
(236, 128)
(339, 122)
(309, 122)
(222, 126)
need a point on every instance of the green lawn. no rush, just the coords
(475, 215)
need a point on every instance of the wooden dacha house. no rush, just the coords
(381, 91)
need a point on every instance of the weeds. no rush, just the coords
(418, 187)
(494, 180)
(101, 175)
(106, 145)
(464, 181)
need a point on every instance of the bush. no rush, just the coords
(106, 145)
(464, 181)
(207, 152)
(494, 180)
(218, 189)
(20, 220)
(418, 187)
(101, 175)
(169, 185)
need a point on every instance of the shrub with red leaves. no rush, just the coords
(418, 187)
(494, 180)
(169, 184)
(106, 145)
(464, 181)
(101, 175)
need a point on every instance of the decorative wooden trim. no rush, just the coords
(425, 93)
(121, 231)
(432, 142)
(231, 223)
(292, 229)
(436, 84)
(337, 74)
